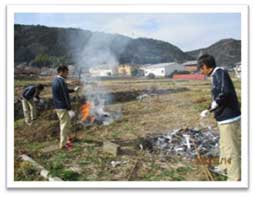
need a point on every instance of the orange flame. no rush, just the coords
(85, 113)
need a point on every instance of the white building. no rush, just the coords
(162, 69)
(101, 71)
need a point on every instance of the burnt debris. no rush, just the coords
(187, 143)
(105, 118)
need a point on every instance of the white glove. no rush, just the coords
(71, 114)
(76, 88)
(35, 99)
(204, 113)
(214, 105)
(41, 101)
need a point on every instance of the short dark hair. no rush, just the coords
(40, 86)
(62, 68)
(206, 59)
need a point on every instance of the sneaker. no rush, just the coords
(66, 147)
(69, 145)
(218, 171)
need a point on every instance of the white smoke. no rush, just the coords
(97, 54)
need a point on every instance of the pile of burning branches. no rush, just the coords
(92, 112)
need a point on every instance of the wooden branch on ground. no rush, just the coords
(43, 172)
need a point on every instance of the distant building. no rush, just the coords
(162, 69)
(101, 71)
(125, 70)
(190, 66)
(27, 70)
(45, 71)
(21, 66)
(130, 70)
(189, 77)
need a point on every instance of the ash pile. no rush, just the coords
(187, 143)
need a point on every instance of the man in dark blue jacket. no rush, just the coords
(227, 113)
(28, 96)
(62, 104)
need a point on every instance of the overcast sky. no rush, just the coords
(186, 31)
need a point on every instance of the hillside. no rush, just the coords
(226, 52)
(87, 48)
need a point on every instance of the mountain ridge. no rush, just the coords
(84, 47)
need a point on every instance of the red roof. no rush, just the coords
(189, 77)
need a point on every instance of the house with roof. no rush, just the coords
(162, 69)
(125, 70)
(102, 71)
(190, 66)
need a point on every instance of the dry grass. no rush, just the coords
(179, 108)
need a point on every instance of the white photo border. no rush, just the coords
(13, 9)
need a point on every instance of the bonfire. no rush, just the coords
(95, 114)
(85, 113)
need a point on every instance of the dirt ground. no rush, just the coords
(177, 105)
